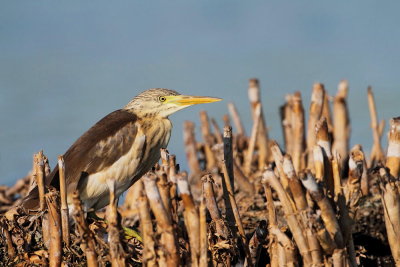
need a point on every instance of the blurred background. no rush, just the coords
(66, 64)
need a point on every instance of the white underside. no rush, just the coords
(95, 195)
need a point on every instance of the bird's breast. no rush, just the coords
(140, 158)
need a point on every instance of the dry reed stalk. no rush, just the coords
(326, 112)
(341, 122)
(287, 250)
(164, 189)
(339, 258)
(168, 238)
(208, 140)
(40, 175)
(295, 186)
(211, 204)
(164, 160)
(319, 166)
(236, 119)
(190, 147)
(64, 204)
(356, 162)
(298, 133)
(346, 222)
(173, 192)
(5, 232)
(328, 214)
(278, 158)
(149, 257)
(191, 217)
(376, 155)
(117, 252)
(273, 245)
(316, 106)
(322, 139)
(257, 240)
(262, 136)
(203, 261)
(235, 210)
(87, 238)
(55, 247)
(294, 225)
(393, 150)
(300, 201)
(45, 229)
(286, 115)
(228, 153)
(253, 139)
(390, 197)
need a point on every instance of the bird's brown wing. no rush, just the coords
(99, 147)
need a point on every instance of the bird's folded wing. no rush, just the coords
(98, 148)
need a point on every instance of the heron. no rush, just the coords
(123, 146)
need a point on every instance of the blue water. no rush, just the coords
(65, 65)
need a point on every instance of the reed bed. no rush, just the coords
(245, 200)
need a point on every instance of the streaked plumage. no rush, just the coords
(122, 146)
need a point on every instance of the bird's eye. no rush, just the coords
(162, 98)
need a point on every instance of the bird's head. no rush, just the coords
(161, 102)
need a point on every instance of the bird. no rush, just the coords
(124, 145)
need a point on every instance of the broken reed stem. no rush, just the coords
(164, 160)
(5, 232)
(376, 151)
(393, 151)
(55, 247)
(278, 158)
(39, 173)
(64, 204)
(298, 133)
(341, 122)
(191, 217)
(253, 139)
(328, 214)
(356, 162)
(203, 262)
(346, 222)
(288, 256)
(236, 119)
(208, 140)
(317, 102)
(190, 147)
(88, 245)
(168, 238)
(235, 210)
(116, 250)
(294, 225)
(228, 153)
(165, 193)
(149, 257)
(286, 123)
(211, 204)
(390, 197)
(262, 137)
(326, 112)
(295, 186)
(322, 139)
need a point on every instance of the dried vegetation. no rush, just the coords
(313, 201)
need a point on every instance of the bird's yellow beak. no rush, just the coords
(188, 100)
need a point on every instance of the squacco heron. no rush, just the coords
(123, 146)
